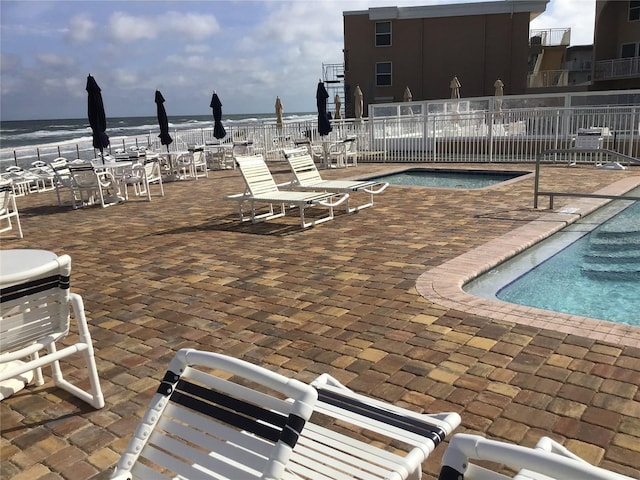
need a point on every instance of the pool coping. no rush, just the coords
(443, 284)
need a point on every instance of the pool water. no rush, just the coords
(449, 178)
(595, 274)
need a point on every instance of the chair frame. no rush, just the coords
(35, 316)
(305, 176)
(215, 416)
(8, 207)
(548, 460)
(261, 190)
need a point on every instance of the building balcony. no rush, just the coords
(617, 68)
(550, 37)
(548, 78)
(578, 65)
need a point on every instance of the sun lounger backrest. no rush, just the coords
(217, 417)
(302, 166)
(35, 305)
(256, 175)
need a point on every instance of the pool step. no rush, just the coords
(613, 253)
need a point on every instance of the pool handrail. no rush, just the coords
(536, 188)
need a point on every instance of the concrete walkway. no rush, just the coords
(181, 271)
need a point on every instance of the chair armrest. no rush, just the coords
(397, 422)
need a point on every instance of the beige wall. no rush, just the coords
(612, 29)
(427, 52)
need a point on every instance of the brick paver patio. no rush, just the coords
(181, 271)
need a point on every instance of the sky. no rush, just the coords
(248, 51)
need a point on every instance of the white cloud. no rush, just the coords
(54, 60)
(126, 28)
(81, 29)
(197, 48)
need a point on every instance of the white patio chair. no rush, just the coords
(45, 175)
(217, 417)
(35, 316)
(307, 177)
(200, 167)
(141, 177)
(342, 153)
(8, 208)
(61, 176)
(261, 190)
(184, 166)
(547, 461)
(89, 187)
(23, 182)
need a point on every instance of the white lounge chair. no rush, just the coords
(307, 177)
(217, 417)
(8, 208)
(547, 461)
(35, 316)
(261, 189)
(202, 425)
(352, 436)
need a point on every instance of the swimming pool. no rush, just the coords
(449, 178)
(590, 268)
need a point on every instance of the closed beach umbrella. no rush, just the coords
(454, 85)
(499, 91)
(163, 121)
(324, 126)
(279, 110)
(358, 102)
(338, 104)
(407, 95)
(97, 117)
(216, 105)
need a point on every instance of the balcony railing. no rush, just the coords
(550, 37)
(617, 68)
(548, 78)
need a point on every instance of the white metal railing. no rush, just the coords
(550, 36)
(483, 129)
(617, 68)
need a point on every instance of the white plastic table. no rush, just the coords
(13, 262)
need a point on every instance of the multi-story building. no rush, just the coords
(390, 48)
(616, 45)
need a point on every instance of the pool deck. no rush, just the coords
(372, 298)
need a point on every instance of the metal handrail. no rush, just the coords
(537, 192)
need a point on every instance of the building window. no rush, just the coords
(629, 50)
(383, 74)
(634, 10)
(383, 34)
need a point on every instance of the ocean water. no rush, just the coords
(31, 133)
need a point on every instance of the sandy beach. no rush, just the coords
(181, 271)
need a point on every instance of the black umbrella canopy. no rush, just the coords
(216, 105)
(97, 118)
(324, 126)
(163, 121)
